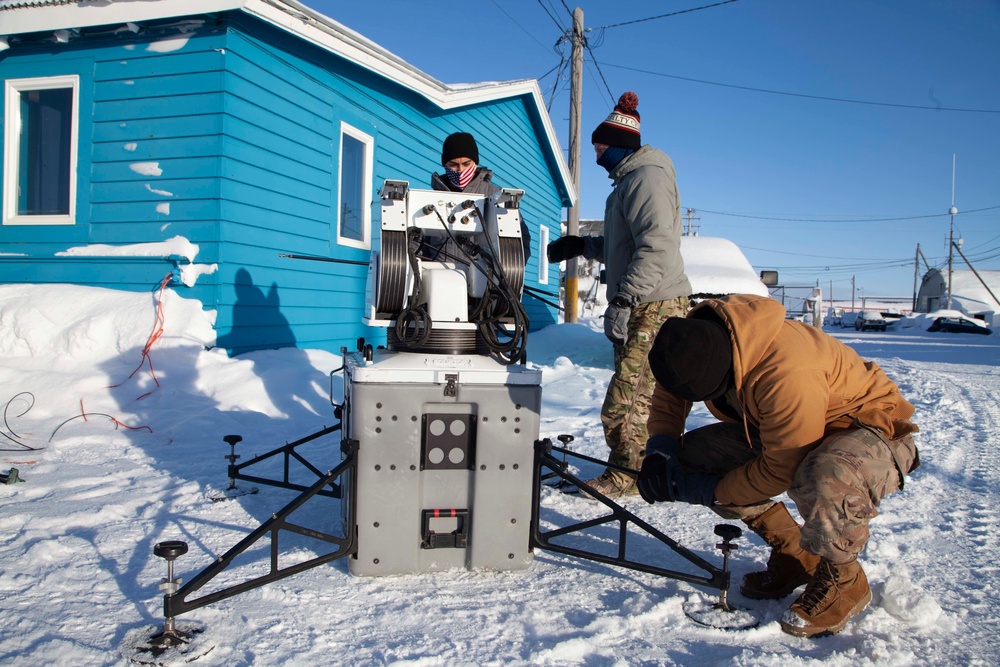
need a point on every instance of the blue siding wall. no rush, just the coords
(242, 122)
(148, 156)
(284, 107)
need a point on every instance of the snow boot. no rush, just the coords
(789, 565)
(613, 485)
(836, 594)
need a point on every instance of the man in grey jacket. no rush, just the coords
(646, 282)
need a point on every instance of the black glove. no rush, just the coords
(616, 319)
(655, 481)
(566, 247)
(661, 478)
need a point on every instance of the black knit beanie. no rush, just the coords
(621, 128)
(459, 144)
(692, 358)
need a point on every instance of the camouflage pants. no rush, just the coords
(837, 487)
(626, 404)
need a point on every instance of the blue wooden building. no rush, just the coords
(203, 139)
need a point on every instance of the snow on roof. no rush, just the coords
(4, 4)
(717, 266)
(967, 288)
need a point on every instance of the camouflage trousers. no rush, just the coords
(837, 488)
(626, 403)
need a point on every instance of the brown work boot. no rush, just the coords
(613, 485)
(789, 565)
(836, 594)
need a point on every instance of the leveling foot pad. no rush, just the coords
(149, 645)
(708, 611)
(218, 495)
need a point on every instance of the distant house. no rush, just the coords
(198, 140)
(969, 294)
(714, 266)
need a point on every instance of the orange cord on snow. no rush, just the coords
(83, 413)
(154, 335)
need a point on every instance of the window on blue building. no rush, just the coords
(354, 192)
(40, 143)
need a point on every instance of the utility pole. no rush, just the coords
(573, 214)
(916, 273)
(853, 288)
(951, 228)
(689, 229)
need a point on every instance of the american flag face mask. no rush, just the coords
(461, 178)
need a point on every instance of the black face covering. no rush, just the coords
(613, 155)
(692, 358)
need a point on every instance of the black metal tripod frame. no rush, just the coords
(288, 452)
(717, 578)
(544, 460)
(177, 603)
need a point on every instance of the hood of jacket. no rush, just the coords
(646, 156)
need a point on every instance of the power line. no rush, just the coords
(555, 84)
(514, 21)
(802, 95)
(663, 16)
(827, 220)
(554, 20)
(598, 66)
(872, 264)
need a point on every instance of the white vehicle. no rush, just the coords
(870, 319)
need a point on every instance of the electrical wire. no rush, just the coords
(597, 65)
(828, 220)
(12, 435)
(555, 84)
(802, 95)
(554, 20)
(663, 16)
(413, 325)
(499, 302)
(515, 22)
(99, 414)
(159, 321)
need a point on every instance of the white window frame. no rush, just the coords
(366, 193)
(12, 147)
(543, 258)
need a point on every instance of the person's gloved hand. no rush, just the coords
(566, 247)
(616, 319)
(655, 482)
(694, 488)
(661, 478)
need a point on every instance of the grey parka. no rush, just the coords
(642, 230)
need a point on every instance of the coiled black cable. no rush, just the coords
(413, 325)
(498, 301)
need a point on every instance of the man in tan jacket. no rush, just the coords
(800, 412)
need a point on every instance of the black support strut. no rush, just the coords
(717, 578)
(177, 603)
(288, 452)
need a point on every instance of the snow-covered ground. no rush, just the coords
(112, 471)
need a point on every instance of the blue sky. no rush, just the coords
(820, 189)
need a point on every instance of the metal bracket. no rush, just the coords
(717, 578)
(177, 603)
(451, 384)
(288, 452)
